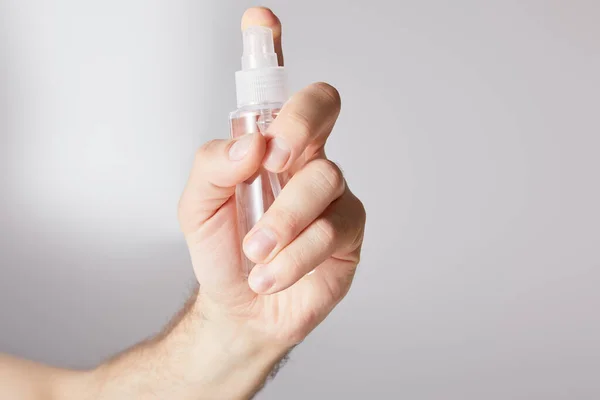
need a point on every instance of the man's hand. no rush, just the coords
(306, 248)
(314, 226)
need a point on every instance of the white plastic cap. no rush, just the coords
(260, 81)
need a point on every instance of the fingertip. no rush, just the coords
(277, 155)
(261, 16)
(234, 161)
(251, 145)
(261, 281)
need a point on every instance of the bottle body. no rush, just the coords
(255, 195)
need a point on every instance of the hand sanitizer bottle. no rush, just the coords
(261, 91)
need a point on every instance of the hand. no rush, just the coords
(316, 222)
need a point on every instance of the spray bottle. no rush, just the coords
(261, 91)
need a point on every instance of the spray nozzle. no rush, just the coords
(259, 50)
(261, 80)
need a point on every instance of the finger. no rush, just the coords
(306, 119)
(308, 193)
(262, 16)
(337, 232)
(218, 167)
(327, 285)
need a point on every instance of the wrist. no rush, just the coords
(235, 359)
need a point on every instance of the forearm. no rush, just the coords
(192, 359)
(28, 380)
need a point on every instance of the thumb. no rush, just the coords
(218, 167)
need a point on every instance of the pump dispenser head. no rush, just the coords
(259, 49)
(261, 80)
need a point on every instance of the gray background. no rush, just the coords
(469, 128)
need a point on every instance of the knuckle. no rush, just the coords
(326, 231)
(294, 262)
(284, 222)
(329, 93)
(331, 174)
(300, 123)
(207, 148)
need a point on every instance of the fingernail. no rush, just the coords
(261, 280)
(260, 244)
(240, 148)
(278, 154)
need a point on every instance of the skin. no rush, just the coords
(234, 331)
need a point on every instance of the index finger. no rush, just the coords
(262, 16)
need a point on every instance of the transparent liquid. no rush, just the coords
(254, 196)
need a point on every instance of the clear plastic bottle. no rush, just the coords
(261, 91)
